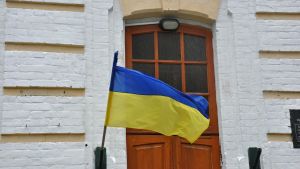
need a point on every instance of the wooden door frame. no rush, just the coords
(189, 29)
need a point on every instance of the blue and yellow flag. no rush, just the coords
(143, 102)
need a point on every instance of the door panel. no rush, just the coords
(203, 154)
(148, 152)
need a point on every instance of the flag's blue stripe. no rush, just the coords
(130, 81)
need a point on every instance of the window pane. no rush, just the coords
(147, 68)
(171, 74)
(168, 46)
(143, 46)
(194, 48)
(196, 78)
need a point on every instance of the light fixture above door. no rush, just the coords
(169, 24)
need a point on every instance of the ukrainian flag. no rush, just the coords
(142, 102)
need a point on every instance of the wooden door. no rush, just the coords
(149, 152)
(183, 59)
(203, 154)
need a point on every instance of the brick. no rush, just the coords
(50, 115)
(277, 6)
(245, 116)
(26, 25)
(44, 69)
(41, 155)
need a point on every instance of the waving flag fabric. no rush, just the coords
(143, 102)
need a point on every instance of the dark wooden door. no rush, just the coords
(183, 59)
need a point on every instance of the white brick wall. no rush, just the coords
(279, 35)
(245, 117)
(281, 74)
(277, 6)
(44, 69)
(279, 115)
(27, 25)
(42, 114)
(226, 84)
(99, 62)
(282, 155)
(2, 18)
(42, 155)
(116, 145)
(240, 101)
(59, 1)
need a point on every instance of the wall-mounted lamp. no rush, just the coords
(169, 24)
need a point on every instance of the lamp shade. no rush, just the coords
(169, 24)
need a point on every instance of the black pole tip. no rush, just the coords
(116, 53)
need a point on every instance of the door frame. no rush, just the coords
(184, 28)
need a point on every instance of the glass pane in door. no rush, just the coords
(147, 68)
(143, 46)
(194, 48)
(196, 78)
(171, 74)
(168, 46)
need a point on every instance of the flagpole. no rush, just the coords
(110, 87)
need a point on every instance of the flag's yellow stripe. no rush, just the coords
(157, 113)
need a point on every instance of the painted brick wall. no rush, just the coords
(42, 155)
(242, 75)
(59, 1)
(238, 82)
(42, 114)
(246, 115)
(282, 155)
(44, 69)
(281, 74)
(287, 34)
(29, 25)
(278, 114)
(99, 60)
(226, 86)
(277, 6)
(2, 18)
